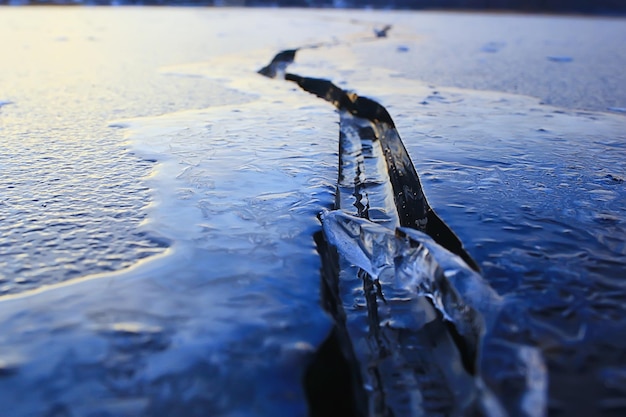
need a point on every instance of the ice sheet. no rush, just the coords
(231, 193)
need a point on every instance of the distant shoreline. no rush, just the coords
(576, 7)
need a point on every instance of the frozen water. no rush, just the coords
(73, 202)
(409, 262)
(189, 265)
(239, 204)
(69, 206)
(230, 194)
(504, 168)
(420, 265)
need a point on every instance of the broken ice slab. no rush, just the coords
(403, 350)
(419, 264)
(416, 313)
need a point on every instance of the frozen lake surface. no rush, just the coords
(159, 197)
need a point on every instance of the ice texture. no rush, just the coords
(222, 319)
(419, 265)
(222, 315)
(234, 299)
(410, 262)
(527, 357)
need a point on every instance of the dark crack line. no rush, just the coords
(411, 204)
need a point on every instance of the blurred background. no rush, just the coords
(604, 7)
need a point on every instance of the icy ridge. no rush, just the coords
(388, 237)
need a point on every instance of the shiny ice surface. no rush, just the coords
(181, 151)
(231, 194)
